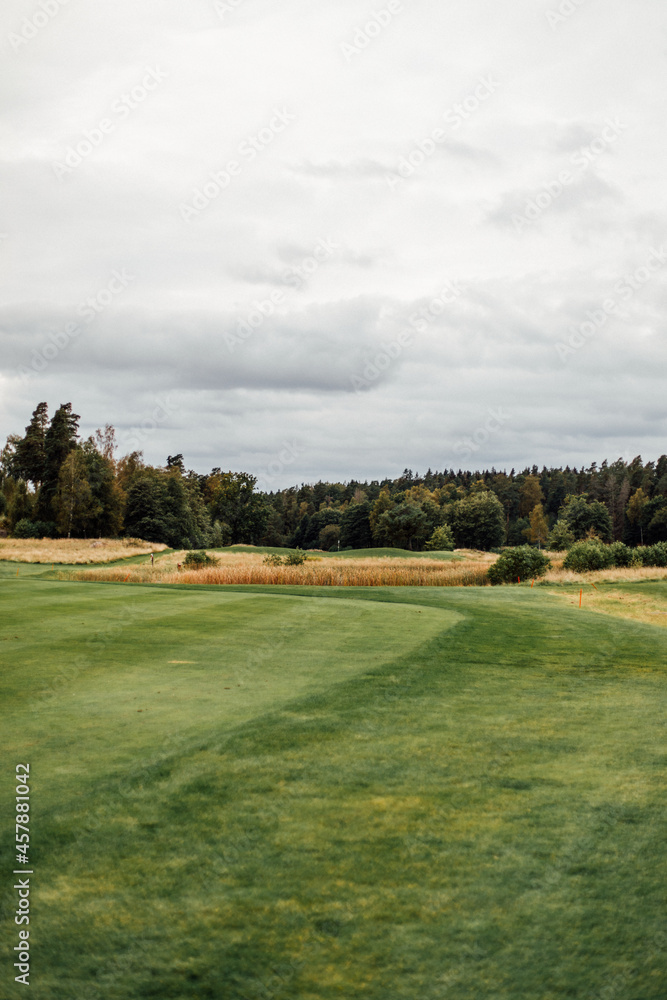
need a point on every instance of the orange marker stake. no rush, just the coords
(519, 579)
(532, 585)
(580, 596)
(593, 586)
(126, 578)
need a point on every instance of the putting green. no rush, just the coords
(145, 664)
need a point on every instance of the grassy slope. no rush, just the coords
(416, 793)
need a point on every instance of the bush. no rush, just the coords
(621, 555)
(297, 558)
(652, 555)
(33, 529)
(523, 562)
(24, 529)
(442, 540)
(589, 555)
(199, 560)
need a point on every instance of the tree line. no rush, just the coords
(53, 484)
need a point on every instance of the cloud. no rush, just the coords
(175, 327)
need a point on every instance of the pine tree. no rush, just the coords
(59, 440)
(30, 451)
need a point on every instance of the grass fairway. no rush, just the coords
(413, 793)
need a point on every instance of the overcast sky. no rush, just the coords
(337, 239)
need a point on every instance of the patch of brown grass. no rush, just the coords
(247, 568)
(630, 574)
(621, 602)
(73, 551)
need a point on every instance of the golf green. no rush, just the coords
(254, 792)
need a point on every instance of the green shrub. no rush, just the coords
(522, 562)
(33, 529)
(621, 555)
(652, 555)
(589, 555)
(199, 560)
(442, 540)
(297, 558)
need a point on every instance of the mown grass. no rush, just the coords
(244, 792)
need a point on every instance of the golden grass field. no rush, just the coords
(73, 551)
(318, 571)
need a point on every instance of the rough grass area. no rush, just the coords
(417, 793)
(249, 568)
(74, 551)
(636, 601)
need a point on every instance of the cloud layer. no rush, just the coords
(423, 237)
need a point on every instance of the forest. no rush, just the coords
(54, 484)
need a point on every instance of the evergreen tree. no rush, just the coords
(30, 461)
(356, 526)
(59, 440)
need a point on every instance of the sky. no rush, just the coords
(335, 240)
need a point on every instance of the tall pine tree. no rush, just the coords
(59, 440)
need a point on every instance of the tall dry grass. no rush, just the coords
(74, 551)
(629, 574)
(246, 568)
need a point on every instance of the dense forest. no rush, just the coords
(54, 484)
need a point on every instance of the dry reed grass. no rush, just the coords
(73, 551)
(246, 568)
(630, 574)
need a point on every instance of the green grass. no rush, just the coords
(349, 553)
(395, 793)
